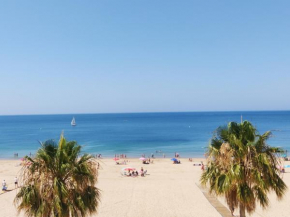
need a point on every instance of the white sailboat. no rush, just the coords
(73, 122)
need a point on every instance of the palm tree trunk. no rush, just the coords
(242, 210)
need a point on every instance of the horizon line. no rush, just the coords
(145, 112)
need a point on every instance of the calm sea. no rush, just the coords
(187, 133)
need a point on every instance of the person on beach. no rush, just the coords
(16, 182)
(202, 167)
(4, 187)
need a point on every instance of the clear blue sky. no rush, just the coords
(144, 56)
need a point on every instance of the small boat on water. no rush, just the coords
(73, 122)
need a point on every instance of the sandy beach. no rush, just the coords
(168, 190)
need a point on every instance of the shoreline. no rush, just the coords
(121, 159)
(109, 156)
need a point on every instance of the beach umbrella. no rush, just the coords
(174, 159)
(129, 168)
(115, 158)
(142, 158)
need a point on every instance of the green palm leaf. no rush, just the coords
(243, 167)
(59, 182)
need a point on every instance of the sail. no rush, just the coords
(73, 122)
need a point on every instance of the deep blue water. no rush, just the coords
(136, 133)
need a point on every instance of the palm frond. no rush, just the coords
(59, 181)
(243, 167)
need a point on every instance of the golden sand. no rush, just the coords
(168, 190)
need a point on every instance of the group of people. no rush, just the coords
(124, 162)
(4, 184)
(176, 161)
(147, 161)
(152, 155)
(282, 169)
(135, 173)
(17, 155)
(121, 156)
(98, 155)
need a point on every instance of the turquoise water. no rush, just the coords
(134, 134)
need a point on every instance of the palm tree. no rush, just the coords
(58, 182)
(243, 167)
